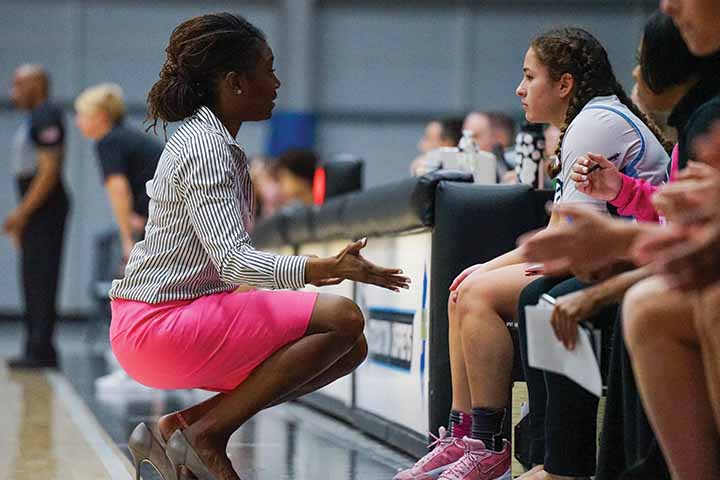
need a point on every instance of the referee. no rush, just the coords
(37, 224)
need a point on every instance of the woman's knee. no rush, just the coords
(473, 295)
(645, 313)
(339, 315)
(351, 321)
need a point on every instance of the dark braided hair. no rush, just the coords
(201, 51)
(577, 52)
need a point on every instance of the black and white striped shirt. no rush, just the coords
(195, 240)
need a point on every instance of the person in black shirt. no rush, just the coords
(37, 224)
(127, 157)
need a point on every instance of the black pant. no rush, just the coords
(40, 252)
(563, 415)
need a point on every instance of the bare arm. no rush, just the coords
(119, 194)
(47, 177)
(577, 306)
(613, 289)
(590, 240)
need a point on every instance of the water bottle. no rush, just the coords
(468, 151)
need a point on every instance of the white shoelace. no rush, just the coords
(466, 463)
(437, 445)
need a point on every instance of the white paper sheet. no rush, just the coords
(546, 352)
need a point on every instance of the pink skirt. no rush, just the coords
(213, 342)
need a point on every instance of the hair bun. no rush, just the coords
(172, 70)
(201, 50)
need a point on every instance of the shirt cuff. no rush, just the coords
(290, 271)
(624, 196)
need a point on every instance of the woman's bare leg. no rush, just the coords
(339, 369)
(458, 374)
(485, 301)
(335, 328)
(347, 364)
(663, 345)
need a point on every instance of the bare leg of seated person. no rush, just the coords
(481, 358)
(663, 343)
(485, 301)
(481, 355)
(707, 321)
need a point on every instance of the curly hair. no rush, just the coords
(577, 52)
(200, 52)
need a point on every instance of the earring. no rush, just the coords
(238, 91)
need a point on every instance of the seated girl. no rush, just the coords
(568, 82)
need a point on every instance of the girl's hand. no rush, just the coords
(535, 269)
(463, 275)
(604, 183)
(570, 310)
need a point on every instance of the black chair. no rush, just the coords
(343, 174)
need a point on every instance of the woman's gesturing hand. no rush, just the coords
(351, 265)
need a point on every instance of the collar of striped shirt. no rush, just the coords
(214, 124)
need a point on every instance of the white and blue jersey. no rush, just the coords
(605, 126)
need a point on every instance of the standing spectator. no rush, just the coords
(37, 224)
(127, 157)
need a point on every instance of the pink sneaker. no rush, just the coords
(479, 463)
(447, 451)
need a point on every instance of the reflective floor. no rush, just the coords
(56, 425)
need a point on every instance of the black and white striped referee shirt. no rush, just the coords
(195, 240)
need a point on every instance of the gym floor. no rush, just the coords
(56, 425)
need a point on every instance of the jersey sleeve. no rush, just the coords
(46, 127)
(594, 131)
(112, 157)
